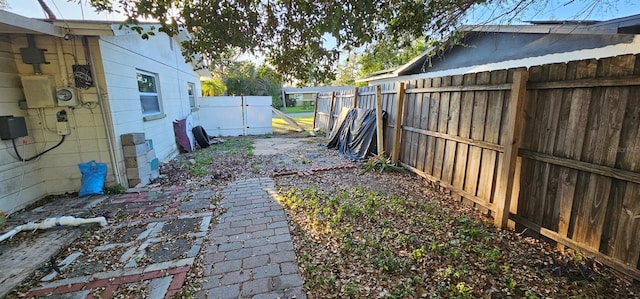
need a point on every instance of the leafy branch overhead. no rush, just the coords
(294, 34)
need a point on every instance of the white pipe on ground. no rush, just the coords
(53, 222)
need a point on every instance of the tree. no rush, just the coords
(295, 34)
(244, 78)
(241, 78)
(347, 71)
(382, 56)
(213, 87)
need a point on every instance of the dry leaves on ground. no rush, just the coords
(391, 236)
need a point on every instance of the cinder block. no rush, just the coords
(134, 150)
(149, 144)
(151, 155)
(135, 162)
(154, 164)
(135, 182)
(155, 174)
(136, 173)
(132, 138)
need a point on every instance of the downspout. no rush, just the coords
(107, 122)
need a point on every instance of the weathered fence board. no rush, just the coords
(555, 149)
(579, 159)
(323, 111)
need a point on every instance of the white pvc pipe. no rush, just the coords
(53, 222)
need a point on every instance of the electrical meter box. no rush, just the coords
(12, 127)
(67, 97)
(39, 91)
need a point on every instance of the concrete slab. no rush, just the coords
(273, 146)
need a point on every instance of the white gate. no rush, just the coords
(257, 115)
(236, 115)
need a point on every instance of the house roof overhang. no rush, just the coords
(13, 23)
(87, 28)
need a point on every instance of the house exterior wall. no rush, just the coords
(55, 172)
(18, 181)
(123, 56)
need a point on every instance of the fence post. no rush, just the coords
(397, 129)
(355, 98)
(315, 111)
(333, 102)
(379, 121)
(512, 137)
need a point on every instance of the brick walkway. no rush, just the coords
(250, 254)
(186, 223)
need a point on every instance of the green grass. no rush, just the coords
(297, 109)
(282, 127)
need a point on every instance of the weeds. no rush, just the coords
(114, 189)
(395, 238)
(379, 163)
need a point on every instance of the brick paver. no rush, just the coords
(250, 254)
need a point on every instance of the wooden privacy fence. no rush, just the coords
(329, 105)
(555, 149)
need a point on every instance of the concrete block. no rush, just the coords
(134, 150)
(136, 173)
(149, 143)
(135, 162)
(151, 155)
(154, 164)
(135, 182)
(132, 139)
(155, 174)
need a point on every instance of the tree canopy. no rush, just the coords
(302, 39)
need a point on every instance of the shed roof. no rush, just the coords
(315, 89)
(503, 46)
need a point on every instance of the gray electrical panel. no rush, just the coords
(12, 127)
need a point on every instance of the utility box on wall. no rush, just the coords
(12, 127)
(39, 91)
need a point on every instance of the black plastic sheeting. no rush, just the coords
(356, 136)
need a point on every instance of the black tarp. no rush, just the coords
(355, 137)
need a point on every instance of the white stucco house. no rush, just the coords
(496, 47)
(120, 84)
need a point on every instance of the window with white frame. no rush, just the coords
(191, 89)
(149, 95)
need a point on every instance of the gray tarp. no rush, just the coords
(355, 137)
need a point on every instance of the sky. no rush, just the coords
(554, 10)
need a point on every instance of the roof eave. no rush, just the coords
(14, 23)
(541, 29)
